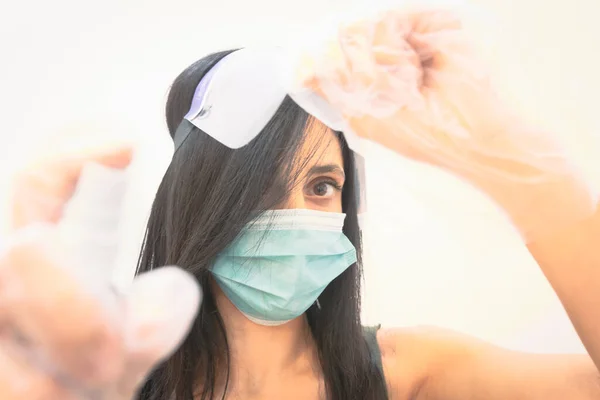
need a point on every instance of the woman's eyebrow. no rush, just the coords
(327, 168)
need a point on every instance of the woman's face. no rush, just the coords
(322, 178)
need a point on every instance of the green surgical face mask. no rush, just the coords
(281, 263)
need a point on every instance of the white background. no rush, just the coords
(439, 253)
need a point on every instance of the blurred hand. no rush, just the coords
(65, 333)
(43, 186)
(410, 79)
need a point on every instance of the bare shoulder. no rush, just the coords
(433, 363)
(412, 355)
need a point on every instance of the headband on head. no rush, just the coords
(241, 93)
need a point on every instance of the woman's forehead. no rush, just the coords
(321, 145)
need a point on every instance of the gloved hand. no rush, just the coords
(411, 79)
(65, 333)
(42, 187)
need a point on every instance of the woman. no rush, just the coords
(208, 195)
(212, 197)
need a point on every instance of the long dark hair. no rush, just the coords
(207, 195)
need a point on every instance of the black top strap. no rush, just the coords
(370, 333)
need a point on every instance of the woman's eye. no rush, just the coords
(324, 189)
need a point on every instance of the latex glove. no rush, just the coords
(66, 335)
(42, 187)
(410, 79)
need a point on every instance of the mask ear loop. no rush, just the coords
(318, 304)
